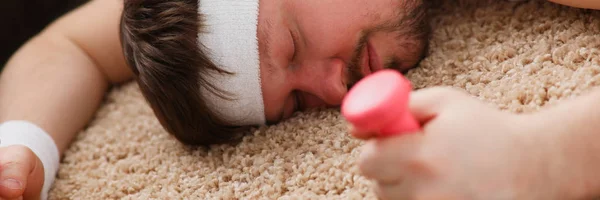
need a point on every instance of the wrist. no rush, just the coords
(564, 151)
(538, 172)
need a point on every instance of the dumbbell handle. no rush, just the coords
(379, 103)
(405, 123)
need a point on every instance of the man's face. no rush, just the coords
(312, 51)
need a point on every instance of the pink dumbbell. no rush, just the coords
(379, 103)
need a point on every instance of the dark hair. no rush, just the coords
(417, 26)
(159, 40)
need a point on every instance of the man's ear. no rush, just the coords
(464, 3)
(588, 4)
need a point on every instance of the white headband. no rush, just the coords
(232, 44)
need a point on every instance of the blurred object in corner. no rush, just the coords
(22, 19)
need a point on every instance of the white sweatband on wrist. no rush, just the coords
(29, 135)
(229, 36)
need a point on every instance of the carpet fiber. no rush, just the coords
(519, 56)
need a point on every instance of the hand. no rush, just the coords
(466, 150)
(24, 170)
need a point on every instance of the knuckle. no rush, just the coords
(10, 163)
(449, 92)
(440, 93)
(420, 166)
(379, 191)
(365, 168)
(368, 169)
(426, 164)
(16, 154)
(367, 161)
(19, 148)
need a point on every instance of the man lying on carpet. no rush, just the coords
(210, 77)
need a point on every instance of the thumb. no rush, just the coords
(426, 104)
(21, 173)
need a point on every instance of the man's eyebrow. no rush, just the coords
(354, 67)
(359, 46)
(267, 32)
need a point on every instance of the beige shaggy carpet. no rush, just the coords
(518, 56)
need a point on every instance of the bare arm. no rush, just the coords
(58, 79)
(590, 4)
(574, 129)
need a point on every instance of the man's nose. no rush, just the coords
(325, 80)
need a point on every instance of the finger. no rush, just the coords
(363, 135)
(19, 198)
(415, 189)
(16, 165)
(13, 173)
(35, 180)
(425, 104)
(389, 160)
(400, 190)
